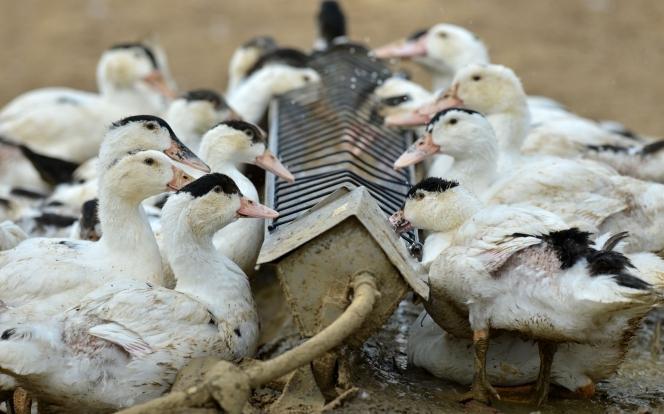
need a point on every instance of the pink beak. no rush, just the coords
(180, 179)
(421, 149)
(156, 80)
(424, 113)
(272, 164)
(403, 49)
(399, 222)
(250, 208)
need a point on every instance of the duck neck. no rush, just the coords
(202, 272)
(251, 98)
(133, 99)
(224, 165)
(511, 127)
(475, 173)
(127, 235)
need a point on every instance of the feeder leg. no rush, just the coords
(546, 350)
(481, 390)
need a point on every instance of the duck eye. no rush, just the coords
(306, 78)
(477, 78)
(442, 35)
(148, 161)
(419, 196)
(151, 126)
(452, 121)
(217, 189)
(249, 133)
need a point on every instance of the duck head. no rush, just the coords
(241, 142)
(280, 78)
(129, 66)
(458, 132)
(246, 56)
(398, 95)
(138, 176)
(195, 112)
(145, 132)
(434, 204)
(489, 89)
(443, 48)
(212, 202)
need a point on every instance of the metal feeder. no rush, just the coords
(333, 221)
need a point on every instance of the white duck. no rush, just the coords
(443, 49)
(245, 57)
(252, 97)
(523, 270)
(225, 147)
(193, 114)
(137, 336)
(10, 235)
(127, 250)
(585, 194)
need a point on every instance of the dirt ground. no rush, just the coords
(603, 58)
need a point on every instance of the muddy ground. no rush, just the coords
(603, 58)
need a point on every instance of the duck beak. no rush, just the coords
(424, 113)
(180, 153)
(407, 119)
(272, 164)
(449, 99)
(400, 224)
(157, 82)
(180, 179)
(250, 208)
(403, 49)
(420, 150)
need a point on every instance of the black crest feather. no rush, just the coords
(432, 184)
(148, 52)
(284, 55)
(206, 95)
(258, 135)
(206, 183)
(444, 112)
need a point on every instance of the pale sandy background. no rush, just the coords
(603, 58)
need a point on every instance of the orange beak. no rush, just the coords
(157, 82)
(403, 49)
(272, 164)
(180, 179)
(399, 222)
(420, 150)
(424, 113)
(180, 153)
(250, 208)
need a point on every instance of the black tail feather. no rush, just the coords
(52, 170)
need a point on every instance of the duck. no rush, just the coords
(586, 194)
(331, 24)
(252, 97)
(443, 49)
(69, 124)
(245, 57)
(127, 248)
(225, 148)
(504, 264)
(210, 312)
(195, 112)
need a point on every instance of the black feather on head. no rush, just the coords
(206, 95)
(432, 184)
(148, 52)
(257, 135)
(208, 182)
(444, 112)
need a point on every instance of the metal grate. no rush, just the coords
(330, 136)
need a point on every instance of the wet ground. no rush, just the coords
(388, 385)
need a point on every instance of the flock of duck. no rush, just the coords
(118, 266)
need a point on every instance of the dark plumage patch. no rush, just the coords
(256, 134)
(90, 214)
(208, 182)
(143, 118)
(444, 112)
(148, 52)
(395, 100)
(570, 245)
(283, 55)
(5, 202)
(432, 184)
(52, 170)
(206, 95)
(237, 332)
(607, 147)
(652, 148)
(55, 220)
(416, 35)
(605, 262)
(7, 334)
(331, 21)
(160, 203)
(22, 192)
(261, 42)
